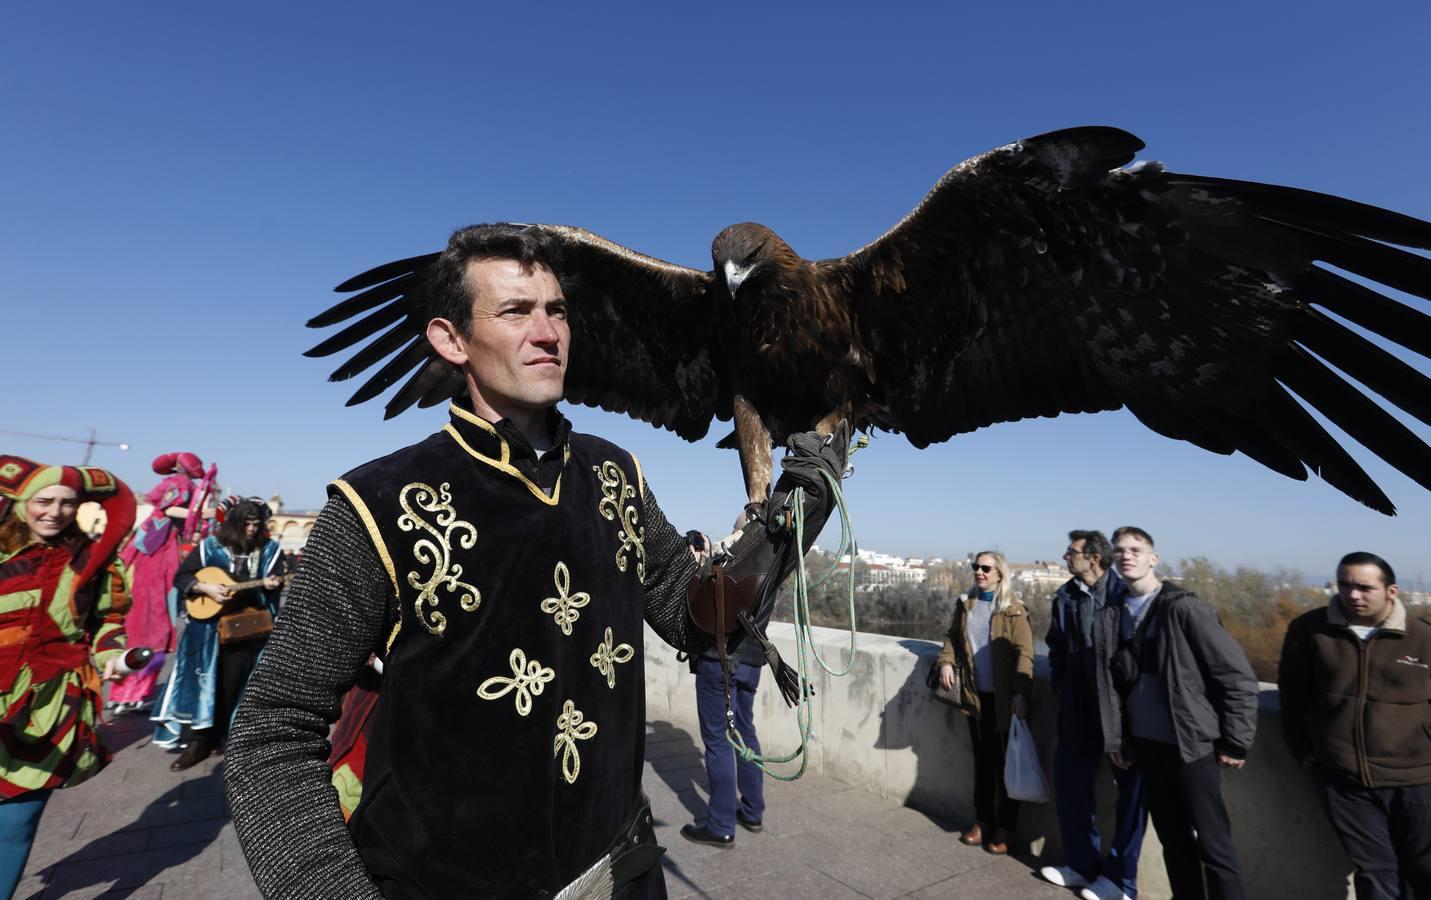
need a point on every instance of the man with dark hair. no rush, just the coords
(500, 570)
(1081, 634)
(1355, 682)
(1190, 708)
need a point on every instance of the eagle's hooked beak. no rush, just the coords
(735, 274)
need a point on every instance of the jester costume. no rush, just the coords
(62, 608)
(153, 558)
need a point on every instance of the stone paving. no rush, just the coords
(139, 830)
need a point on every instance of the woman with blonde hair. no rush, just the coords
(988, 652)
(62, 605)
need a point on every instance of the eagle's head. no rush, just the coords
(743, 250)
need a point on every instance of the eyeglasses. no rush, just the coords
(1070, 553)
(985, 569)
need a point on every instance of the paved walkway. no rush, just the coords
(141, 831)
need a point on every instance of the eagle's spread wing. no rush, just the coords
(1032, 280)
(641, 334)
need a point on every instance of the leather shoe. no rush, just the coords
(198, 750)
(754, 826)
(703, 835)
(998, 843)
(972, 837)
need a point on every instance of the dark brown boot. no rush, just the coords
(198, 750)
(998, 842)
(973, 837)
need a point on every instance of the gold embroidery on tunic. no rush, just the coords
(565, 607)
(570, 729)
(612, 506)
(607, 657)
(528, 679)
(437, 551)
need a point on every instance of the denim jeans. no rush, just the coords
(729, 778)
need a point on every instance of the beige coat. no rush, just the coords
(1011, 642)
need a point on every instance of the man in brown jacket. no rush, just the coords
(1355, 680)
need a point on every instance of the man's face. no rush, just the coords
(1135, 557)
(516, 353)
(251, 528)
(51, 511)
(1078, 564)
(1365, 598)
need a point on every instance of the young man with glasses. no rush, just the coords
(1083, 632)
(1190, 709)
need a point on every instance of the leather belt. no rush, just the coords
(632, 854)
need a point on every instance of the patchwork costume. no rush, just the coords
(61, 620)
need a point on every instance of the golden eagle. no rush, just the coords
(1042, 277)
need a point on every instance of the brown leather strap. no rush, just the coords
(719, 572)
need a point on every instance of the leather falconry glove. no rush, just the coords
(738, 588)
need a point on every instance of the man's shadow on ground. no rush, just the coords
(680, 763)
(114, 857)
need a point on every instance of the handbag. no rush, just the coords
(953, 696)
(248, 624)
(1127, 664)
(1023, 776)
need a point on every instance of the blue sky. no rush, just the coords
(180, 189)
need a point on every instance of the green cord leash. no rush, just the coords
(804, 636)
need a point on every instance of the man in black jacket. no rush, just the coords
(1190, 707)
(1355, 682)
(1085, 617)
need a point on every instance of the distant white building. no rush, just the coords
(1038, 575)
(883, 569)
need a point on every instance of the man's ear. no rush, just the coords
(445, 339)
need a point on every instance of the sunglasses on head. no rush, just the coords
(985, 569)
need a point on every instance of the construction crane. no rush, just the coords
(89, 443)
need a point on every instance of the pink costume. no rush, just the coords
(153, 557)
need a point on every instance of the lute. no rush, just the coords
(203, 607)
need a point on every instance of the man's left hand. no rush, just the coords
(111, 672)
(1229, 762)
(1021, 706)
(271, 582)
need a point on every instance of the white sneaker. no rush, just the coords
(1063, 876)
(1103, 889)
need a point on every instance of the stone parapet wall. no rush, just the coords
(879, 729)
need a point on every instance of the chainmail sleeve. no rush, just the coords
(284, 807)
(669, 569)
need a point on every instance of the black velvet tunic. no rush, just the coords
(519, 641)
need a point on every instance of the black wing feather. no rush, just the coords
(1032, 280)
(641, 334)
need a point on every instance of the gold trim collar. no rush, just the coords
(502, 461)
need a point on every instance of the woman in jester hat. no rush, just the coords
(62, 605)
(153, 558)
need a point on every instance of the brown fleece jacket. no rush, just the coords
(1360, 708)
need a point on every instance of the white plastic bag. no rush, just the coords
(1023, 776)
